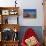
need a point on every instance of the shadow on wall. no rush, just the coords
(37, 29)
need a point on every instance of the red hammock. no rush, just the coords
(29, 33)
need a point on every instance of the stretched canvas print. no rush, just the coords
(29, 13)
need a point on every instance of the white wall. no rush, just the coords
(27, 4)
